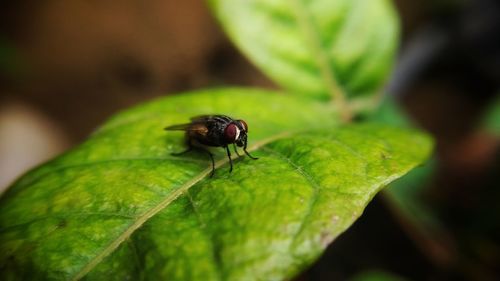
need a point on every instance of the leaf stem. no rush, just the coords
(337, 94)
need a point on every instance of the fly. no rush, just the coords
(214, 131)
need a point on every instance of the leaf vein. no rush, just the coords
(316, 189)
(317, 49)
(65, 216)
(23, 184)
(215, 256)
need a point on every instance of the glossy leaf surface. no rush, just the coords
(121, 207)
(315, 48)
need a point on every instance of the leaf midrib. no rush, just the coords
(327, 72)
(163, 204)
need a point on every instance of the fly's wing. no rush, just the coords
(198, 128)
(203, 117)
(194, 128)
(178, 127)
(210, 118)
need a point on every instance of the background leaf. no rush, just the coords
(492, 118)
(388, 112)
(318, 47)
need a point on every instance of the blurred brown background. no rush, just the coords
(66, 66)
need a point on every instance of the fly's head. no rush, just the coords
(236, 132)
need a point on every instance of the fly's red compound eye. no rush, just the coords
(244, 125)
(231, 133)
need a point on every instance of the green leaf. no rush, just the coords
(10, 60)
(492, 119)
(319, 48)
(389, 112)
(121, 207)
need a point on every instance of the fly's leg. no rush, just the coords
(211, 159)
(213, 163)
(236, 150)
(189, 148)
(192, 146)
(182, 152)
(230, 160)
(246, 152)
